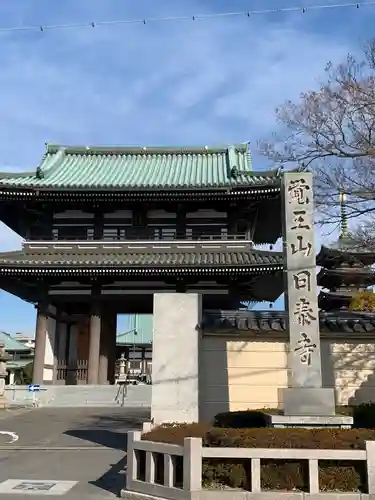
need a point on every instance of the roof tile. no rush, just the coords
(11, 344)
(142, 258)
(140, 330)
(275, 322)
(142, 169)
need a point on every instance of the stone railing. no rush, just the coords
(175, 472)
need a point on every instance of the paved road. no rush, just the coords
(86, 446)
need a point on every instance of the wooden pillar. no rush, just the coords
(112, 354)
(98, 224)
(56, 347)
(143, 362)
(104, 350)
(94, 343)
(40, 342)
(231, 220)
(181, 222)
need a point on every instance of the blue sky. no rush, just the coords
(167, 83)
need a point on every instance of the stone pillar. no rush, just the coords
(94, 344)
(104, 350)
(175, 357)
(40, 342)
(305, 395)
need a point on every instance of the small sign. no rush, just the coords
(34, 388)
(34, 486)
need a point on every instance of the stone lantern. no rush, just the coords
(4, 357)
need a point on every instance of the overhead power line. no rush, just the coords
(248, 13)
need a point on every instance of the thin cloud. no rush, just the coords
(204, 82)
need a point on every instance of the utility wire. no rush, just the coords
(249, 13)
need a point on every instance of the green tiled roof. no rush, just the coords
(10, 344)
(140, 258)
(142, 168)
(140, 331)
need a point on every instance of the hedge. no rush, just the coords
(363, 417)
(275, 474)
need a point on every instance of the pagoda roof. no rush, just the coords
(334, 301)
(140, 331)
(139, 258)
(334, 257)
(142, 168)
(260, 322)
(346, 275)
(11, 344)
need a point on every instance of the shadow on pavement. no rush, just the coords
(113, 480)
(110, 431)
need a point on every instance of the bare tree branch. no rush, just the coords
(331, 132)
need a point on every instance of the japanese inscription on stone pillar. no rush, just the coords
(300, 273)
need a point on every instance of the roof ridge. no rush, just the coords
(79, 149)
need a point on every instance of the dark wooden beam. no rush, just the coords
(98, 222)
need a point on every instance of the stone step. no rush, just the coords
(75, 396)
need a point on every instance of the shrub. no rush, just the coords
(176, 433)
(240, 419)
(275, 474)
(363, 417)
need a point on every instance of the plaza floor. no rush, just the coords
(74, 454)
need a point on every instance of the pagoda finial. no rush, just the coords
(344, 233)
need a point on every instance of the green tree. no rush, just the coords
(364, 301)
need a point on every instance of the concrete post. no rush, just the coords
(132, 465)
(40, 342)
(175, 357)
(370, 463)
(94, 344)
(192, 464)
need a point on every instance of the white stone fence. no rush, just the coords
(141, 480)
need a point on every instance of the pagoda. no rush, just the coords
(346, 269)
(168, 231)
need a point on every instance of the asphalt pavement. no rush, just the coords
(76, 454)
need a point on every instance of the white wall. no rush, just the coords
(250, 374)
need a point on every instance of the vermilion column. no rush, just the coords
(94, 344)
(40, 342)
